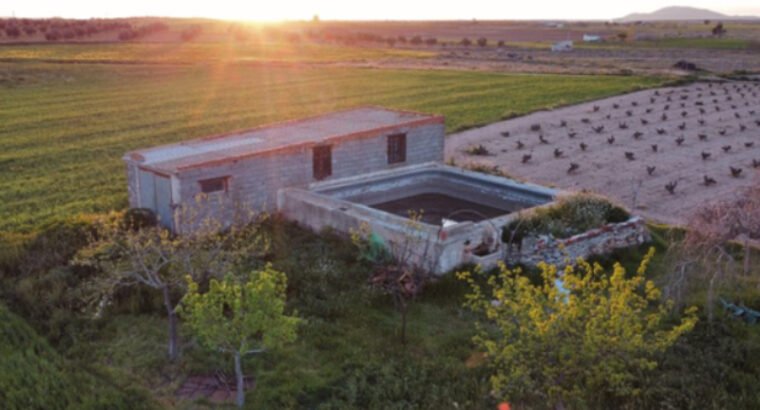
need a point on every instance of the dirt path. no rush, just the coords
(214, 388)
(706, 117)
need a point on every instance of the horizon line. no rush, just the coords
(401, 20)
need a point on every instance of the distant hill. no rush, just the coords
(681, 13)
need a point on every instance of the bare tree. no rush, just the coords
(708, 248)
(403, 269)
(155, 257)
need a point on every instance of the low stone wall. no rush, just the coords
(561, 252)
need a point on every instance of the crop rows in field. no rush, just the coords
(190, 53)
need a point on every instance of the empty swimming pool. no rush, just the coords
(461, 210)
(434, 208)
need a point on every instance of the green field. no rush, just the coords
(64, 128)
(708, 43)
(704, 43)
(191, 53)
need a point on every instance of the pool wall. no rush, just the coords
(385, 186)
(345, 205)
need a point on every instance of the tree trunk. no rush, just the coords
(746, 256)
(404, 309)
(173, 349)
(240, 396)
(710, 296)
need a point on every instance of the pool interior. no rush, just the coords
(437, 207)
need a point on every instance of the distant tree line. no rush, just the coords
(62, 30)
(142, 31)
(59, 29)
(243, 33)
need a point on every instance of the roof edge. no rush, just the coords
(130, 155)
(438, 119)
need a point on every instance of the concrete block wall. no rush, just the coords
(132, 185)
(255, 181)
(361, 156)
(393, 184)
(427, 249)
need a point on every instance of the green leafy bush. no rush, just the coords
(568, 216)
(713, 367)
(50, 294)
(34, 376)
(388, 381)
(36, 280)
(53, 245)
(325, 279)
(138, 218)
(412, 384)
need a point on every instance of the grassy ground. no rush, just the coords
(709, 43)
(348, 353)
(34, 376)
(64, 128)
(189, 53)
(703, 43)
(349, 334)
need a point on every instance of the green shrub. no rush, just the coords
(401, 381)
(34, 376)
(53, 245)
(12, 248)
(138, 218)
(569, 216)
(37, 281)
(713, 367)
(52, 301)
(53, 296)
(407, 384)
(325, 279)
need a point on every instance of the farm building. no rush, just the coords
(360, 167)
(250, 166)
(592, 38)
(566, 45)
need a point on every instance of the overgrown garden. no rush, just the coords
(609, 334)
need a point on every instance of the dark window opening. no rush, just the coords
(213, 185)
(396, 148)
(322, 162)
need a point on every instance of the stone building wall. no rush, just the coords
(598, 241)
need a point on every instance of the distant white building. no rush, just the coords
(566, 45)
(591, 38)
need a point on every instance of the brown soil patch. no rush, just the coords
(215, 388)
(706, 117)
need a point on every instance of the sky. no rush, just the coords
(275, 10)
